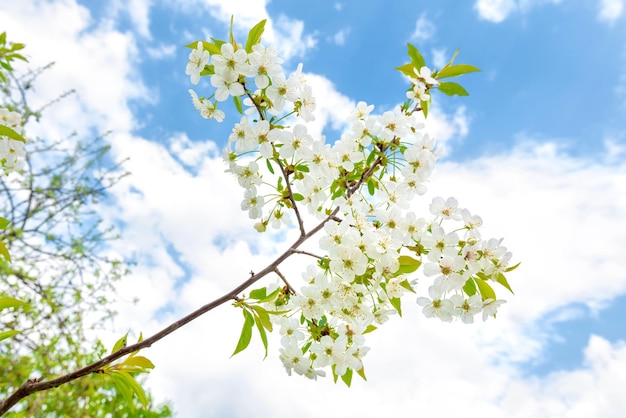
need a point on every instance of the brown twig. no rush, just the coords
(284, 279)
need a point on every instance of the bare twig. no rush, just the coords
(284, 279)
(307, 253)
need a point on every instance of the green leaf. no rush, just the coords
(371, 188)
(122, 386)
(407, 264)
(502, 280)
(254, 36)
(5, 222)
(131, 383)
(238, 106)
(263, 317)
(370, 328)
(121, 343)
(7, 334)
(449, 63)
(208, 70)
(397, 304)
(232, 38)
(347, 377)
(246, 333)
(416, 57)
(271, 296)
(207, 46)
(17, 46)
(298, 197)
(7, 302)
(469, 287)
(456, 70)
(303, 168)
(452, 89)
(269, 166)
(506, 271)
(340, 192)
(258, 293)
(425, 107)
(405, 283)
(139, 361)
(407, 70)
(486, 291)
(5, 252)
(261, 329)
(218, 43)
(6, 131)
(361, 373)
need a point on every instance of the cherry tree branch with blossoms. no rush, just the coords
(361, 187)
(358, 190)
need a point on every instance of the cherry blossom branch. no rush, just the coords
(32, 386)
(291, 198)
(282, 169)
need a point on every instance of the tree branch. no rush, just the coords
(33, 386)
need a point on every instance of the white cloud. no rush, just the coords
(495, 10)
(614, 150)
(283, 31)
(424, 29)
(332, 107)
(340, 37)
(98, 63)
(610, 10)
(138, 12)
(446, 128)
(439, 57)
(161, 51)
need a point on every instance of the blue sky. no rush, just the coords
(538, 149)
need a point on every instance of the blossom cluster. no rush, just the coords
(11, 150)
(359, 190)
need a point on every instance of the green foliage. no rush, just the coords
(122, 374)
(416, 58)
(246, 332)
(8, 54)
(6, 131)
(407, 265)
(57, 239)
(456, 70)
(448, 88)
(254, 36)
(452, 89)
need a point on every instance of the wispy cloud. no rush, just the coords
(610, 10)
(495, 10)
(281, 30)
(339, 38)
(424, 28)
